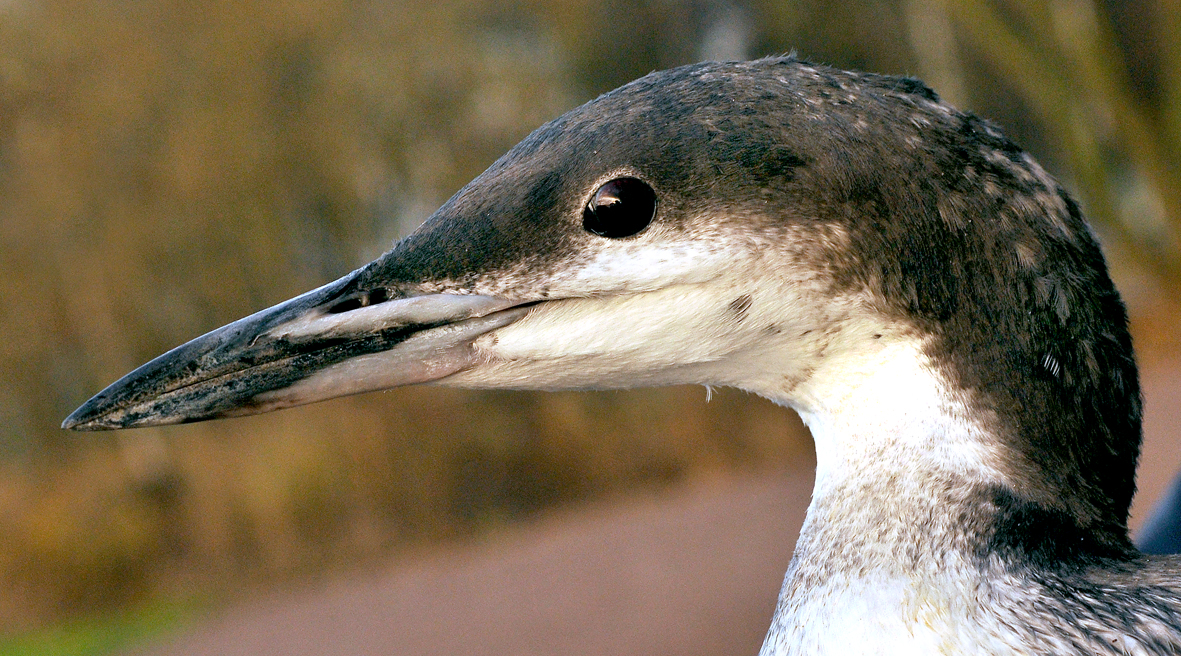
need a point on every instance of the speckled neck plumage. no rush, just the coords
(915, 541)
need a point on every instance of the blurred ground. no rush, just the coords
(693, 571)
(1160, 458)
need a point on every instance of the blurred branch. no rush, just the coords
(933, 39)
(1168, 27)
(1091, 45)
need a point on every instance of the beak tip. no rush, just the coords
(85, 419)
(98, 414)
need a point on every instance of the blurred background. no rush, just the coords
(167, 167)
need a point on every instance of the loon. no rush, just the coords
(927, 298)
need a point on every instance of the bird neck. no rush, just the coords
(896, 450)
(887, 414)
(888, 554)
(895, 441)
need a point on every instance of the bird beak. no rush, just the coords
(332, 341)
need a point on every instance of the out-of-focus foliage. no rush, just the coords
(167, 167)
(170, 167)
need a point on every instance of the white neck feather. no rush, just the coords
(875, 569)
(888, 413)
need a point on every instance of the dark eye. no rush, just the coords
(620, 208)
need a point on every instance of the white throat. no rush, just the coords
(876, 569)
(889, 412)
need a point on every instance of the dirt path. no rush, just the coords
(691, 572)
(1160, 458)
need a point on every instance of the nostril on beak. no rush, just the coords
(372, 297)
(346, 305)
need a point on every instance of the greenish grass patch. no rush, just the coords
(103, 634)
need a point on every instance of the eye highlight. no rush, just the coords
(620, 208)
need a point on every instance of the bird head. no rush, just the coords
(776, 226)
